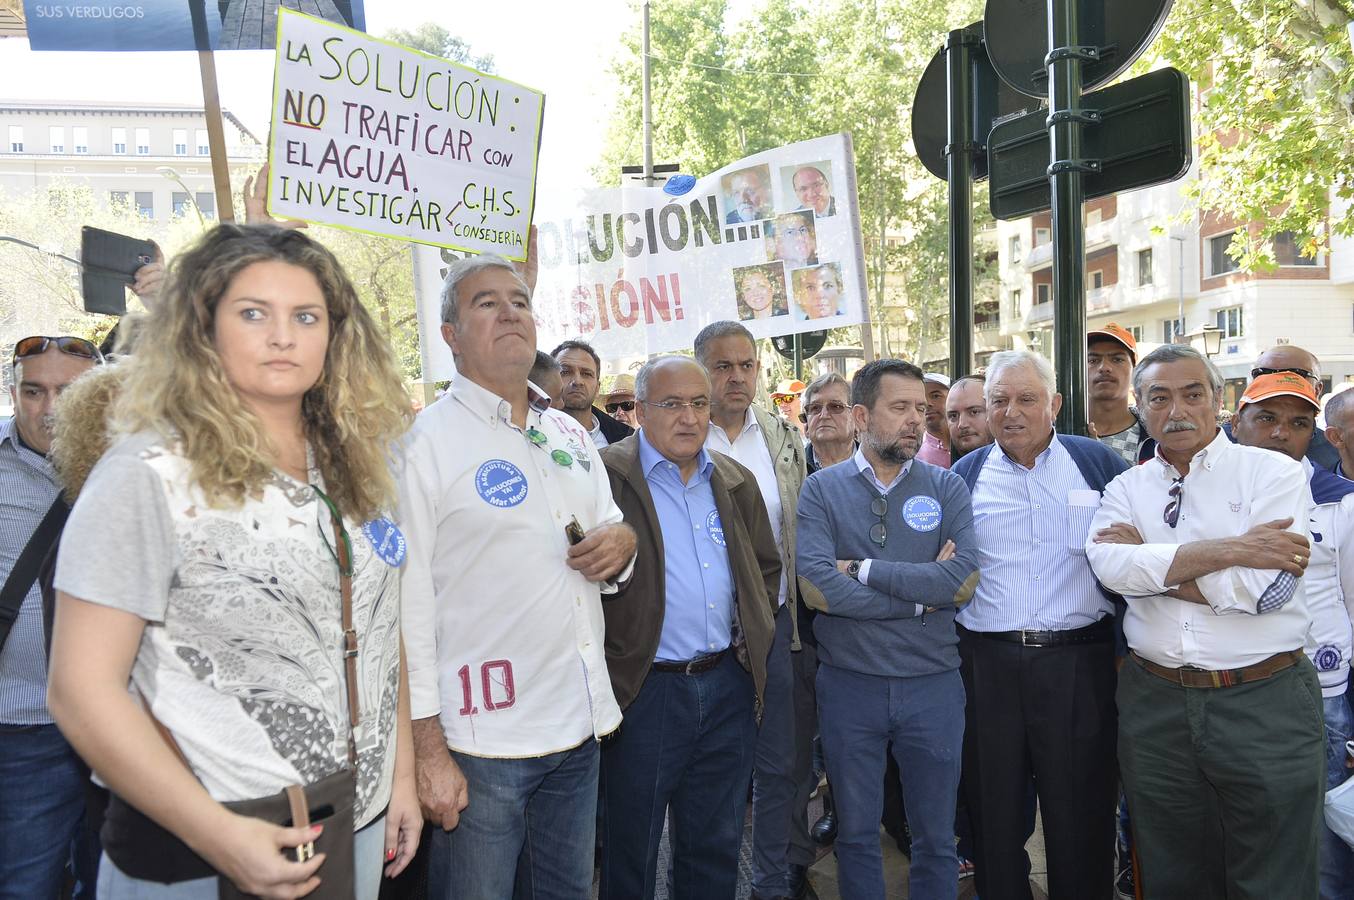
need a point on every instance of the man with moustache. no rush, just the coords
(1304, 364)
(580, 373)
(966, 416)
(747, 190)
(1111, 353)
(687, 641)
(888, 541)
(935, 441)
(1221, 742)
(1037, 644)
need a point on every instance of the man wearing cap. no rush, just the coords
(620, 402)
(1110, 355)
(935, 441)
(580, 374)
(1278, 412)
(785, 398)
(1303, 363)
(1221, 740)
(966, 416)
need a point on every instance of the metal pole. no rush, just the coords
(1180, 264)
(959, 171)
(1065, 169)
(798, 357)
(648, 117)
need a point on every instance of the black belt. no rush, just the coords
(1101, 632)
(691, 666)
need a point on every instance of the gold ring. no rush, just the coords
(1297, 558)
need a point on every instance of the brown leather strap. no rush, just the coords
(349, 635)
(1221, 678)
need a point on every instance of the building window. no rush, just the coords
(1042, 236)
(180, 203)
(1145, 266)
(1288, 252)
(58, 138)
(1017, 304)
(1172, 331)
(80, 138)
(206, 203)
(1231, 323)
(16, 139)
(120, 141)
(180, 141)
(119, 198)
(143, 142)
(1042, 292)
(1095, 280)
(145, 204)
(1219, 263)
(203, 148)
(1016, 253)
(1136, 331)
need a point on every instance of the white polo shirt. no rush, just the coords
(503, 639)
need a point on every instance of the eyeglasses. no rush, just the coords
(879, 507)
(71, 346)
(1171, 515)
(627, 405)
(699, 405)
(783, 399)
(818, 409)
(1261, 370)
(343, 554)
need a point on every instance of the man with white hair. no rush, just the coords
(1037, 644)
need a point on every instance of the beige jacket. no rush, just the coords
(786, 446)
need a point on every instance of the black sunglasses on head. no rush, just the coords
(1261, 370)
(71, 346)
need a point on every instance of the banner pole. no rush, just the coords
(211, 107)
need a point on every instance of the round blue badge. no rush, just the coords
(715, 528)
(922, 513)
(1327, 658)
(386, 539)
(501, 484)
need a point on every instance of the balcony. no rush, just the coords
(1039, 313)
(1100, 299)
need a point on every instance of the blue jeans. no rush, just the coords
(924, 718)
(528, 831)
(42, 807)
(684, 752)
(1337, 859)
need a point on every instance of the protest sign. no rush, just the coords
(137, 25)
(772, 241)
(374, 137)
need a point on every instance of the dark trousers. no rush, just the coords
(683, 752)
(1225, 784)
(1045, 713)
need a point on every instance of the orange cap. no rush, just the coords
(790, 387)
(1279, 384)
(1115, 332)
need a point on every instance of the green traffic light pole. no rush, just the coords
(959, 150)
(1066, 168)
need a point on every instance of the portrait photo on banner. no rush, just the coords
(747, 194)
(808, 186)
(793, 238)
(760, 291)
(818, 291)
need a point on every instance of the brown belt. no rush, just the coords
(691, 666)
(1191, 676)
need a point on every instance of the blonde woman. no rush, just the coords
(202, 560)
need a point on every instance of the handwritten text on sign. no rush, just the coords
(379, 138)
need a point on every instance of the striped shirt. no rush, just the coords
(27, 488)
(1032, 526)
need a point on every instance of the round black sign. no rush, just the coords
(810, 342)
(1017, 38)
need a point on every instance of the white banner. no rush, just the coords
(772, 241)
(375, 137)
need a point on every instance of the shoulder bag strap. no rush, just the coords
(25, 571)
(345, 562)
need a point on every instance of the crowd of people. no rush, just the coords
(286, 623)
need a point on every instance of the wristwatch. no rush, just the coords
(853, 568)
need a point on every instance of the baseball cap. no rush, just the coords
(790, 387)
(623, 384)
(1115, 332)
(1279, 384)
(937, 378)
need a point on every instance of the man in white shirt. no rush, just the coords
(773, 449)
(512, 537)
(1221, 744)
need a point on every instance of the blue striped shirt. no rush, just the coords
(27, 488)
(1031, 544)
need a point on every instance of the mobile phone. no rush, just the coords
(108, 264)
(574, 532)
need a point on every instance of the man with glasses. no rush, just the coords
(1037, 644)
(687, 641)
(811, 187)
(42, 782)
(1221, 742)
(620, 402)
(828, 423)
(774, 451)
(580, 372)
(889, 544)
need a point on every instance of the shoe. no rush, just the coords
(800, 889)
(824, 831)
(1125, 885)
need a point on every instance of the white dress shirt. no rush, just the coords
(1229, 490)
(1329, 582)
(503, 639)
(750, 449)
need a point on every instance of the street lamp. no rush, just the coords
(173, 176)
(1207, 339)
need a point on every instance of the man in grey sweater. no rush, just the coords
(888, 541)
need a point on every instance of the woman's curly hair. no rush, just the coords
(176, 385)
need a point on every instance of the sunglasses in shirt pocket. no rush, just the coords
(1081, 509)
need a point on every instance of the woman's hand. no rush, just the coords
(256, 202)
(250, 851)
(404, 826)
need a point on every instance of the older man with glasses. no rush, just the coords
(42, 782)
(827, 422)
(1221, 742)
